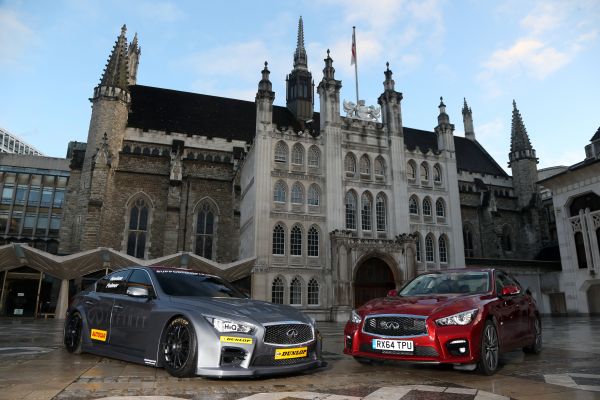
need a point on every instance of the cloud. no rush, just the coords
(546, 16)
(490, 130)
(161, 11)
(15, 37)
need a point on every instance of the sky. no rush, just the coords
(543, 54)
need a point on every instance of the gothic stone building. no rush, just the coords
(333, 209)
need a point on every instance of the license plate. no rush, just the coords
(393, 345)
(297, 352)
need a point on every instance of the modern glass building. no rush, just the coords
(12, 144)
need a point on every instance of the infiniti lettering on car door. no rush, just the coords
(130, 316)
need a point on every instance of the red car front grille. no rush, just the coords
(395, 325)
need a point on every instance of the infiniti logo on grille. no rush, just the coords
(389, 325)
(292, 333)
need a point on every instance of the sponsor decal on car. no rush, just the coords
(297, 352)
(235, 339)
(98, 334)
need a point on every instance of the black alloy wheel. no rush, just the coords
(490, 349)
(179, 348)
(536, 346)
(72, 333)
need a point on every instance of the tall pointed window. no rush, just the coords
(380, 211)
(366, 211)
(313, 292)
(205, 230)
(440, 208)
(281, 152)
(443, 249)
(365, 165)
(429, 255)
(298, 154)
(278, 240)
(437, 173)
(350, 164)
(426, 206)
(296, 291)
(314, 157)
(138, 228)
(418, 245)
(468, 241)
(411, 170)
(350, 210)
(313, 242)
(424, 172)
(296, 241)
(313, 195)
(413, 205)
(279, 192)
(297, 193)
(277, 291)
(379, 167)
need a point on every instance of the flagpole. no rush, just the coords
(355, 61)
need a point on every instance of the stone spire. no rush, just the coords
(116, 71)
(444, 130)
(520, 146)
(264, 100)
(389, 100)
(134, 53)
(468, 121)
(300, 58)
(265, 87)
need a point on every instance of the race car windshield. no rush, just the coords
(189, 283)
(447, 283)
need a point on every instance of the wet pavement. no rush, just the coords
(33, 365)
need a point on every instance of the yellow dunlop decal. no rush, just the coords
(297, 352)
(97, 334)
(233, 339)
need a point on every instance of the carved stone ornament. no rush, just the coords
(361, 111)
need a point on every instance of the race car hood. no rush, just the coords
(243, 309)
(420, 305)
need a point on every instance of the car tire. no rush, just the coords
(179, 348)
(72, 333)
(536, 346)
(489, 354)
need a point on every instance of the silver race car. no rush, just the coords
(189, 323)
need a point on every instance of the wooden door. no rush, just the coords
(373, 279)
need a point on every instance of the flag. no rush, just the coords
(353, 59)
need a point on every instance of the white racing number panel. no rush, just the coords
(393, 345)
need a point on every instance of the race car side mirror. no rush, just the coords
(392, 293)
(137, 291)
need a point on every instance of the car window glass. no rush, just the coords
(113, 283)
(140, 278)
(190, 283)
(470, 282)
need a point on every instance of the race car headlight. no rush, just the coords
(462, 318)
(355, 318)
(225, 325)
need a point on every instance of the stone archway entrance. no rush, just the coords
(374, 278)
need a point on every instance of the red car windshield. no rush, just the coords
(448, 283)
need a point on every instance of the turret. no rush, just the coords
(522, 160)
(444, 129)
(389, 101)
(329, 95)
(299, 83)
(134, 53)
(114, 82)
(468, 121)
(264, 100)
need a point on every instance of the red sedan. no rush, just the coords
(464, 317)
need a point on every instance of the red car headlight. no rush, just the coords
(355, 318)
(462, 318)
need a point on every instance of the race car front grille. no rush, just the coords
(288, 334)
(395, 326)
(420, 351)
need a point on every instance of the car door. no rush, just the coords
(507, 313)
(99, 304)
(131, 315)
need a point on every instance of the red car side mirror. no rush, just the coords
(392, 293)
(510, 290)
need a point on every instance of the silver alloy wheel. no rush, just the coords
(490, 347)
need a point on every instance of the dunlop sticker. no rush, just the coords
(234, 339)
(298, 352)
(98, 334)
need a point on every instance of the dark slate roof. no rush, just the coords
(198, 114)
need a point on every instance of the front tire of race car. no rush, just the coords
(179, 348)
(72, 333)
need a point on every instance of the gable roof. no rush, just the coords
(199, 114)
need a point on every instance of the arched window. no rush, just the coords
(138, 228)
(296, 291)
(424, 172)
(580, 250)
(297, 193)
(411, 170)
(413, 205)
(418, 245)
(366, 202)
(350, 210)
(279, 192)
(277, 291)
(426, 206)
(440, 208)
(350, 163)
(298, 154)
(468, 241)
(313, 292)
(379, 166)
(296, 241)
(381, 213)
(313, 195)
(365, 165)
(281, 152)
(313, 242)
(506, 238)
(278, 240)
(443, 249)
(429, 255)
(205, 231)
(314, 157)
(437, 173)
